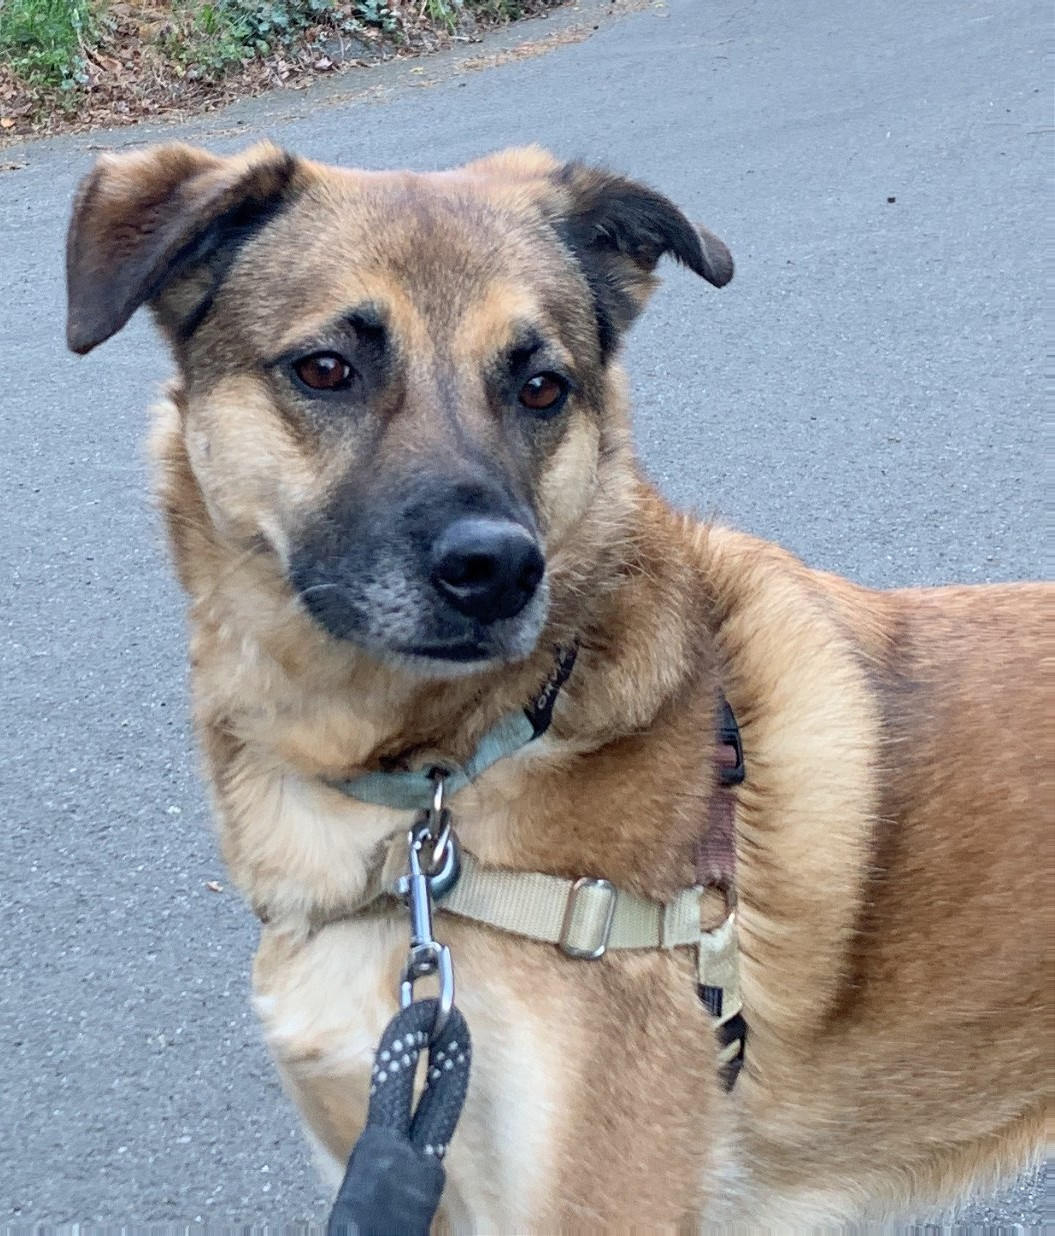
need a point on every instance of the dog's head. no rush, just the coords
(403, 386)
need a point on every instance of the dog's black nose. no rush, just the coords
(487, 568)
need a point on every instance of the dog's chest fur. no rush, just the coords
(323, 1005)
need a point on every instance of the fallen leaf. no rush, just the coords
(214, 886)
(7, 123)
(110, 63)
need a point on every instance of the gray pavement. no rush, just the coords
(869, 390)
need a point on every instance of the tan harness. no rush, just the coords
(583, 918)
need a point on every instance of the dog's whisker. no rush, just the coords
(312, 589)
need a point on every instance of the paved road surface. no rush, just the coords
(869, 390)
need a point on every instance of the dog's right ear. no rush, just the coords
(141, 220)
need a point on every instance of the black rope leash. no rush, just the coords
(395, 1173)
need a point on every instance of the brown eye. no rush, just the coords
(545, 392)
(324, 371)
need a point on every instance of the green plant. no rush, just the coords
(376, 13)
(43, 40)
(443, 13)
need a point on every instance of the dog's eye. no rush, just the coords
(545, 392)
(324, 371)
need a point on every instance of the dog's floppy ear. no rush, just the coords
(141, 220)
(618, 230)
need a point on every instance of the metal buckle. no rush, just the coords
(585, 954)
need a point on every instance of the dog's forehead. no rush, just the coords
(421, 223)
(514, 182)
(433, 247)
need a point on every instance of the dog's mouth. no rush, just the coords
(422, 641)
(464, 653)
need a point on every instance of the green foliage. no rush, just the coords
(447, 13)
(43, 40)
(49, 43)
(497, 10)
(222, 34)
(443, 13)
(376, 13)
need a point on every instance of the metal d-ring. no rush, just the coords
(443, 877)
(445, 862)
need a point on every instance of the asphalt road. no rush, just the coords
(869, 390)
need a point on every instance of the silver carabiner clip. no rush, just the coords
(426, 956)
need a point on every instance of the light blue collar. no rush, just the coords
(413, 790)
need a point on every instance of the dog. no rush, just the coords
(400, 493)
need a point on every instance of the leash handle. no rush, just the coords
(395, 1177)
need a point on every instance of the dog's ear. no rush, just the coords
(618, 230)
(141, 220)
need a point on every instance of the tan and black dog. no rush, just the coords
(397, 473)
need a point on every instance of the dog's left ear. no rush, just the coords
(618, 230)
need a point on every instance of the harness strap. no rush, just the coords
(585, 917)
(588, 917)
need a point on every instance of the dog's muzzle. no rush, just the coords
(462, 587)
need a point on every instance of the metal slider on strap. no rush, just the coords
(587, 885)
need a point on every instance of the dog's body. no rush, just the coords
(893, 883)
